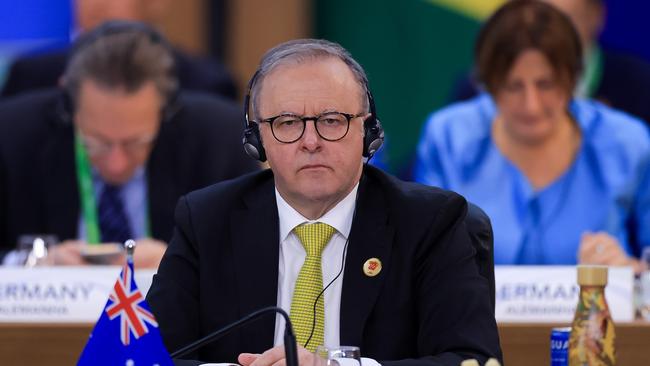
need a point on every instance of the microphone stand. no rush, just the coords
(290, 349)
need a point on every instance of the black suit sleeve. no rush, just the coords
(177, 279)
(34, 72)
(480, 232)
(456, 320)
(5, 245)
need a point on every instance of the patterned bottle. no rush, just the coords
(592, 332)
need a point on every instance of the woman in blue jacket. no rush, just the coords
(563, 180)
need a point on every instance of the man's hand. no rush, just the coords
(148, 253)
(275, 357)
(602, 248)
(67, 253)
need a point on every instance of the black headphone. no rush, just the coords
(66, 107)
(373, 136)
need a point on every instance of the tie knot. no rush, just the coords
(314, 237)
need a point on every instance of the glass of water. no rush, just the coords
(34, 248)
(337, 356)
(645, 285)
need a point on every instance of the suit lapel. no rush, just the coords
(255, 233)
(59, 190)
(370, 237)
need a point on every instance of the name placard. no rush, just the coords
(59, 294)
(550, 293)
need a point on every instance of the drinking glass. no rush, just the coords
(33, 249)
(337, 356)
(644, 281)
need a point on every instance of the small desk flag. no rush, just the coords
(126, 333)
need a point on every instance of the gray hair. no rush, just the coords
(300, 51)
(126, 59)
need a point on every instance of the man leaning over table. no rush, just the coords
(105, 157)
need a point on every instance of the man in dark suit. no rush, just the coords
(107, 157)
(357, 256)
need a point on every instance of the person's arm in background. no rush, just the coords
(428, 166)
(5, 246)
(642, 209)
(641, 217)
(603, 248)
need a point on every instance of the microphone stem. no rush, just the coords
(290, 349)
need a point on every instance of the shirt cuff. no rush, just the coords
(365, 361)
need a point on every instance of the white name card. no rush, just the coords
(60, 294)
(550, 293)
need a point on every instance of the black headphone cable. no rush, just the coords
(345, 250)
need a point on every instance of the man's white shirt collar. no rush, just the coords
(339, 217)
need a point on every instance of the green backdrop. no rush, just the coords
(413, 52)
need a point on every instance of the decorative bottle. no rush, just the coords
(592, 332)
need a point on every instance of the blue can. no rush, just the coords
(560, 346)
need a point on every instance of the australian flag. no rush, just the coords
(126, 333)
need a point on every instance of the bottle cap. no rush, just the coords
(589, 275)
(470, 362)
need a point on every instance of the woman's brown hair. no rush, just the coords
(521, 25)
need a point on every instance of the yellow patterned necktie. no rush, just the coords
(314, 237)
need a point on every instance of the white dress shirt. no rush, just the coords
(292, 256)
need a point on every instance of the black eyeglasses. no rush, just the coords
(330, 126)
(98, 147)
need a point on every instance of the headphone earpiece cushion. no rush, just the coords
(373, 136)
(373, 131)
(252, 140)
(253, 143)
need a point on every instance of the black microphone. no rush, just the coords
(290, 349)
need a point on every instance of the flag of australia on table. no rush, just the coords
(126, 333)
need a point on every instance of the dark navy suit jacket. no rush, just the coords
(428, 306)
(199, 145)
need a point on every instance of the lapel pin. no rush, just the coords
(372, 267)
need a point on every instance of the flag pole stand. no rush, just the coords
(129, 246)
